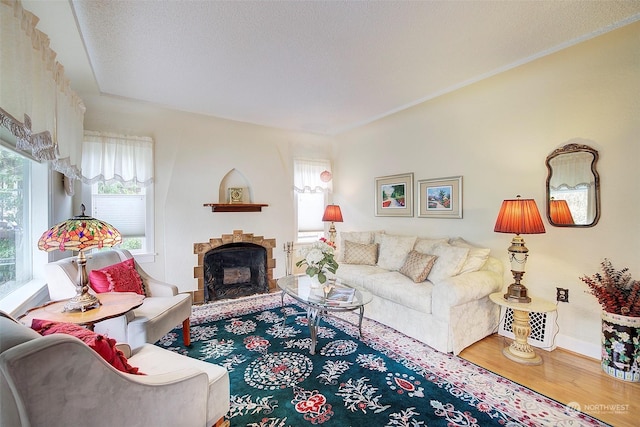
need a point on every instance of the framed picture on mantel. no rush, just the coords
(394, 195)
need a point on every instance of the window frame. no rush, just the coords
(147, 253)
(38, 196)
(318, 187)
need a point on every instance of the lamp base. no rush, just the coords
(82, 302)
(517, 292)
(332, 232)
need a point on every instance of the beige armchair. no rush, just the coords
(58, 380)
(162, 310)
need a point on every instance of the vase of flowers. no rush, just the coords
(619, 296)
(319, 259)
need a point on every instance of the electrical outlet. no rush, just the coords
(562, 295)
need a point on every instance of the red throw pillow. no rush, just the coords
(104, 346)
(121, 277)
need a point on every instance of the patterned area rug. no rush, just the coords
(383, 379)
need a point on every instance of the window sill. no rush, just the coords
(144, 257)
(22, 299)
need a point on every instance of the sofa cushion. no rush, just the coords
(104, 346)
(360, 253)
(120, 277)
(355, 275)
(417, 266)
(449, 263)
(393, 250)
(476, 258)
(426, 245)
(395, 286)
(364, 237)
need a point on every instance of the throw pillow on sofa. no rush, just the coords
(449, 263)
(476, 258)
(121, 277)
(360, 253)
(104, 346)
(393, 250)
(417, 266)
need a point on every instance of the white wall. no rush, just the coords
(193, 154)
(497, 134)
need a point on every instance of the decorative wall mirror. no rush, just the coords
(573, 187)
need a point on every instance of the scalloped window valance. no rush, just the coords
(109, 157)
(307, 176)
(38, 108)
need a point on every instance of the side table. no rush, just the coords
(520, 350)
(112, 304)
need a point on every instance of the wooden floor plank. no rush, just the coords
(566, 377)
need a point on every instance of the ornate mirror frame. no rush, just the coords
(592, 188)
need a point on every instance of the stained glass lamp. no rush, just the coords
(518, 216)
(80, 233)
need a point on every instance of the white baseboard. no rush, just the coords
(577, 346)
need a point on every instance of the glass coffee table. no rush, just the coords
(318, 302)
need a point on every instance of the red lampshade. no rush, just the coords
(332, 213)
(519, 216)
(559, 212)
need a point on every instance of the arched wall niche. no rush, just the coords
(234, 179)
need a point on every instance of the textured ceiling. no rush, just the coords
(320, 66)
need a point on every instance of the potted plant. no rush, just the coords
(319, 259)
(619, 296)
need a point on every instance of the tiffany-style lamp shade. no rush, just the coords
(80, 233)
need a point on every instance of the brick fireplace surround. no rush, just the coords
(238, 236)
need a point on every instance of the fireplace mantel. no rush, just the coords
(236, 207)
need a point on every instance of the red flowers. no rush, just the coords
(615, 290)
(328, 242)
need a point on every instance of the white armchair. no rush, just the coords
(162, 310)
(58, 380)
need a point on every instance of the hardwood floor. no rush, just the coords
(566, 377)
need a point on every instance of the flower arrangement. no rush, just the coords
(319, 258)
(616, 292)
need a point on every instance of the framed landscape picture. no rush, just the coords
(394, 195)
(440, 198)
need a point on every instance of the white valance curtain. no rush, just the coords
(37, 104)
(110, 157)
(307, 176)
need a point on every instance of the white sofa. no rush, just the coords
(58, 380)
(162, 310)
(449, 311)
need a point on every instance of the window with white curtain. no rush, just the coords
(310, 197)
(119, 169)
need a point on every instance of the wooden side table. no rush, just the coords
(112, 304)
(520, 350)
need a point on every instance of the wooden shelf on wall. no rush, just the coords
(236, 207)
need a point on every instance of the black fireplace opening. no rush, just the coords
(235, 270)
